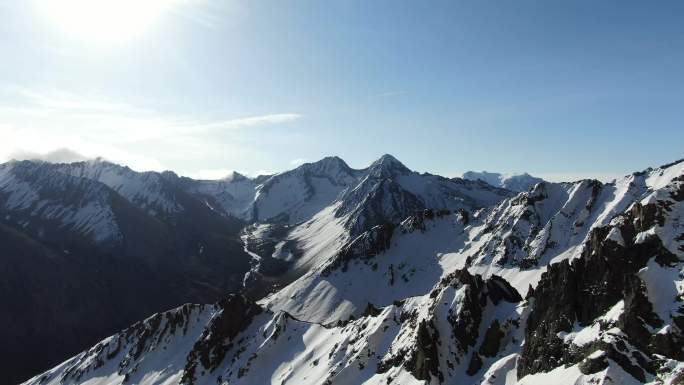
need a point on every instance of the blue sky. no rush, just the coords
(560, 89)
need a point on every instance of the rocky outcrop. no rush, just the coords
(579, 292)
(375, 202)
(234, 314)
(465, 322)
(492, 340)
(417, 221)
(365, 246)
(424, 360)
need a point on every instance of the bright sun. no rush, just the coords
(106, 21)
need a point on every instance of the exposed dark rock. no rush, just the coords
(465, 217)
(645, 216)
(554, 311)
(234, 315)
(365, 246)
(492, 340)
(499, 289)
(580, 291)
(668, 165)
(591, 365)
(371, 310)
(678, 194)
(465, 324)
(424, 361)
(638, 313)
(384, 200)
(393, 361)
(627, 365)
(669, 345)
(475, 364)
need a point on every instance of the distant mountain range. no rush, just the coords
(513, 182)
(339, 276)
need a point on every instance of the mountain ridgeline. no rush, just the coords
(91, 247)
(327, 274)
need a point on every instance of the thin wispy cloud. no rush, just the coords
(298, 161)
(250, 121)
(210, 13)
(54, 99)
(212, 174)
(60, 155)
(391, 93)
(40, 121)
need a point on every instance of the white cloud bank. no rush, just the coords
(39, 123)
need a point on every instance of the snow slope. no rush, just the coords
(34, 196)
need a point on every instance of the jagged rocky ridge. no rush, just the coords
(576, 283)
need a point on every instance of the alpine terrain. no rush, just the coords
(326, 274)
(514, 182)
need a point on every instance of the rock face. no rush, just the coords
(365, 246)
(583, 290)
(233, 315)
(435, 297)
(608, 276)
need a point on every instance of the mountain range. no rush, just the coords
(327, 274)
(514, 182)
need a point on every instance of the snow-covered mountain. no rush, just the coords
(182, 240)
(415, 279)
(514, 182)
(303, 216)
(297, 195)
(110, 251)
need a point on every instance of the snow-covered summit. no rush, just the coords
(35, 196)
(332, 166)
(387, 166)
(513, 182)
(152, 191)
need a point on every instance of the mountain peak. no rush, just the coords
(332, 160)
(330, 165)
(388, 165)
(234, 176)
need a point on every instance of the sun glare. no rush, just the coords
(112, 21)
